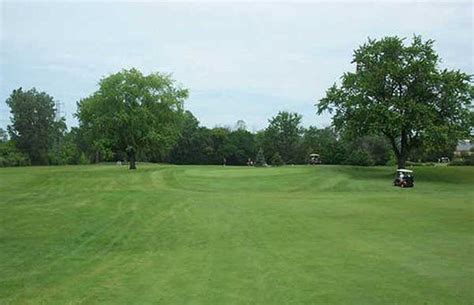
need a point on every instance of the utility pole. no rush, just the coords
(59, 140)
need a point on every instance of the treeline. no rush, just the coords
(397, 106)
(37, 136)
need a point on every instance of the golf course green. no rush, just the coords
(163, 234)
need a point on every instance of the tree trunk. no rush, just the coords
(401, 154)
(132, 160)
(401, 161)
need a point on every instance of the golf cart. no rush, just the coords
(314, 159)
(404, 178)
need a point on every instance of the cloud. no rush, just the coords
(239, 60)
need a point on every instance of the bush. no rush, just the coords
(10, 156)
(260, 159)
(276, 160)
(411, 163)
(359, 157)
(467, 160)
(83, 159)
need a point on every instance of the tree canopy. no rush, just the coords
(399, 91)
(34, 126)
(396, 104)
(134, 113)
(283, 135)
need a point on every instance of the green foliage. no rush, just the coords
(83, 159)
(11, 156)
(200, 145)
(359, 157)
(283, 135)
(276, 160)
(260, 159)
(465, 159)
(34, 129)
(133, 113)
(3, 135)
(367, 150)
(400, 92)
(325, 143)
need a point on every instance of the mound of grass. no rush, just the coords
(235, 235)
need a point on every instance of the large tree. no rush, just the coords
(283, 135)
(3, 135)
(399, 91)
(34, 126)
(133, 113)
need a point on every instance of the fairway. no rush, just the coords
(168, 234)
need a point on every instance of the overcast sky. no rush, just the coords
(239, 60)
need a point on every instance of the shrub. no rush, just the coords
(83, 159)
(10, 156)
(359, 157)
(276, 160)
(260, 159)
(467, 160)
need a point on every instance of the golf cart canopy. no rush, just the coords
(402, 170)
(314, 155)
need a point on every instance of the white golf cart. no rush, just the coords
(404, 178)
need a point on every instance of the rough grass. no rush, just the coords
(214, 235)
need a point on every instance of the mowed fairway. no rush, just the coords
(212, 235)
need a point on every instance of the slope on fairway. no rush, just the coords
(213, 235)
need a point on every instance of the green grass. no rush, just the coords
(215, 235)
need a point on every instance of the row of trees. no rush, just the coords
(284, 141)
(398, 104)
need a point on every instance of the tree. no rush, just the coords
(283, 135)
(133, 113)
(324, 142)
(240, 147)
(11, 156)
(400, 92)
(372, 149)
(260, 159)
(33, 127)
(3, 135)
(276, 160)
(187, 149)
(240, 125)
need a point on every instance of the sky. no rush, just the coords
(239, 60)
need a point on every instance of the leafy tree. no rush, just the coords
(11, 156)
(241, 147)
(187, 149)
(3, 135)
(33, 128)
(133, 113)
(240, 125)
(260, 159)
(358, 156)
(399, 92)
(82, 159)
(324, 142)
(283, 135)
(373, 149)
(218, 150)
(276, 160)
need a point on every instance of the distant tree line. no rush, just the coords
(37, 137)
(397, 106)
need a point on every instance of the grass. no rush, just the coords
(213, 235)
